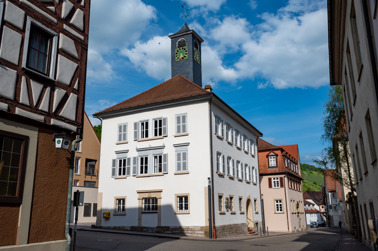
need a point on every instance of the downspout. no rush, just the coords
(211, 169)
(69, 193)
(287, 211)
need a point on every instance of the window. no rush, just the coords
(351, 75)
(120, 206)
(87, 209)
(232, 208)
(181, 42)
(220, 203)
(369, 129)
(143, 165)
(218, 126)
(13, 149)
(94, 211)
(220, 163)
(237, 138)
(241, 204)
(245, 143)
(255, 205)
(76, 183)
(141, 130)
(272, 161)
(78, 147)
(181, 123)
(358, 162)
(90, 183)
(122, 132)
(160, 127)
(150, 205)
(356, 40)
(247, 172)
(121, 167)
(40, 48)
(278, 206)
(229, 133)
(276, 182)
(252, 146)
(254, 175)
(239, 169)
(182, 203)
(90, 167)
(77, 165)
(362, 146)
(230, 167)
(158, 163)
(182, 161)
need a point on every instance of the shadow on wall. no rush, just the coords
(164, 220)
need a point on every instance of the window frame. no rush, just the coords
(278, 202)
(177, 203)
(276, 182)
(77, 165)
(162, 129)
(221, 204)
(85, 210)
(54, 49)
(154, 206)
(122, 129)
(219, 130)
(181, 125)
(17, 199)
(274, 157)
(181, 152)
(117, 212)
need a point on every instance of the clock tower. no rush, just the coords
(186, 54)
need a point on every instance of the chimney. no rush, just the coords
(208, 88)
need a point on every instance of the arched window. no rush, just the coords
(196, 44)
(181, 43)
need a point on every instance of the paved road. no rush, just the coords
(319, 239)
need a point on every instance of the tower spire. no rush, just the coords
(185, 11)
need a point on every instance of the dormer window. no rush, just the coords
(272, 160)
(181, 43)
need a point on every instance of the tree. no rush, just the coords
(98, 129)
(336, 135)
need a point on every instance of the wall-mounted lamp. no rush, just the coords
(61, 141)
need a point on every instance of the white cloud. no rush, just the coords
(98, 68)
(152, 57)
(253, 4)
(208, 4)
(304, 5)
(119, 23)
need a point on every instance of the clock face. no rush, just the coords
(181, 53)
(197, 55)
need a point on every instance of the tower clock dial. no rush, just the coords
(181, 53)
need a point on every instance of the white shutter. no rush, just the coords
(128, 171)
(232, 135)
(119, 133)
(178, 124)
(228, 165)
(233, 167)
(223, 164)
(124, 132)
(135, 164)
(114, 166)
(178, 162)
(165, 163)
(222, 128)
(184, 124)
(218, 160)
(164, 126)
(136, 130)
(216, 125)
(184, 161)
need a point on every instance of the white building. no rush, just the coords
(159, 149)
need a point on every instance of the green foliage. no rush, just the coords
(98, 129)
(312, 178)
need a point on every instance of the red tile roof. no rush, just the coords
(175, 88)
(292, 150)
(312, 211)
(264, 145)
(317, 197)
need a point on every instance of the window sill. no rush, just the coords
(231, 177)
(154, 212)
(149, 175)
(278, 212)
(182, 212)
(222, 212)
(242, 212)
(257, 212)
(374, 162)
(37, 73)
(246, 151)
(122, 142)
(239, 179)
(229, 142)
(119, 214)
(252, 155)
(120, 177)
(181, 135)
(238, 147)
(220, 174)
(219, 137)
(247, 181)
(254, 183)
(232, 212)
(180, 173)
(147, 139)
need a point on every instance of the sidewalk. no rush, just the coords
(349, 243)
(175, 236)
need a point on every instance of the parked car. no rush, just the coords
(314, 224)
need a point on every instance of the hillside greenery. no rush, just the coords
(313, 178)
(98, 129)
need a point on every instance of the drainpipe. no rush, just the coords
(287, 211)
(211, 167)
(69, 193)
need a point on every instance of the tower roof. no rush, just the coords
(184, 31)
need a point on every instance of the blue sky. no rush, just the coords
(266, 59)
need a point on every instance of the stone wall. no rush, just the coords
(231, 230)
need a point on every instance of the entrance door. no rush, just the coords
(250, 215)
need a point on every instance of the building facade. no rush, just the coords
(353, 65)
(43, 55)
(86, 173)
(281, 187)
(333, 199)
(314, 207)
(176, 158)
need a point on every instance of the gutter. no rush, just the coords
(212, 172)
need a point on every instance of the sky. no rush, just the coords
(268, 60)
